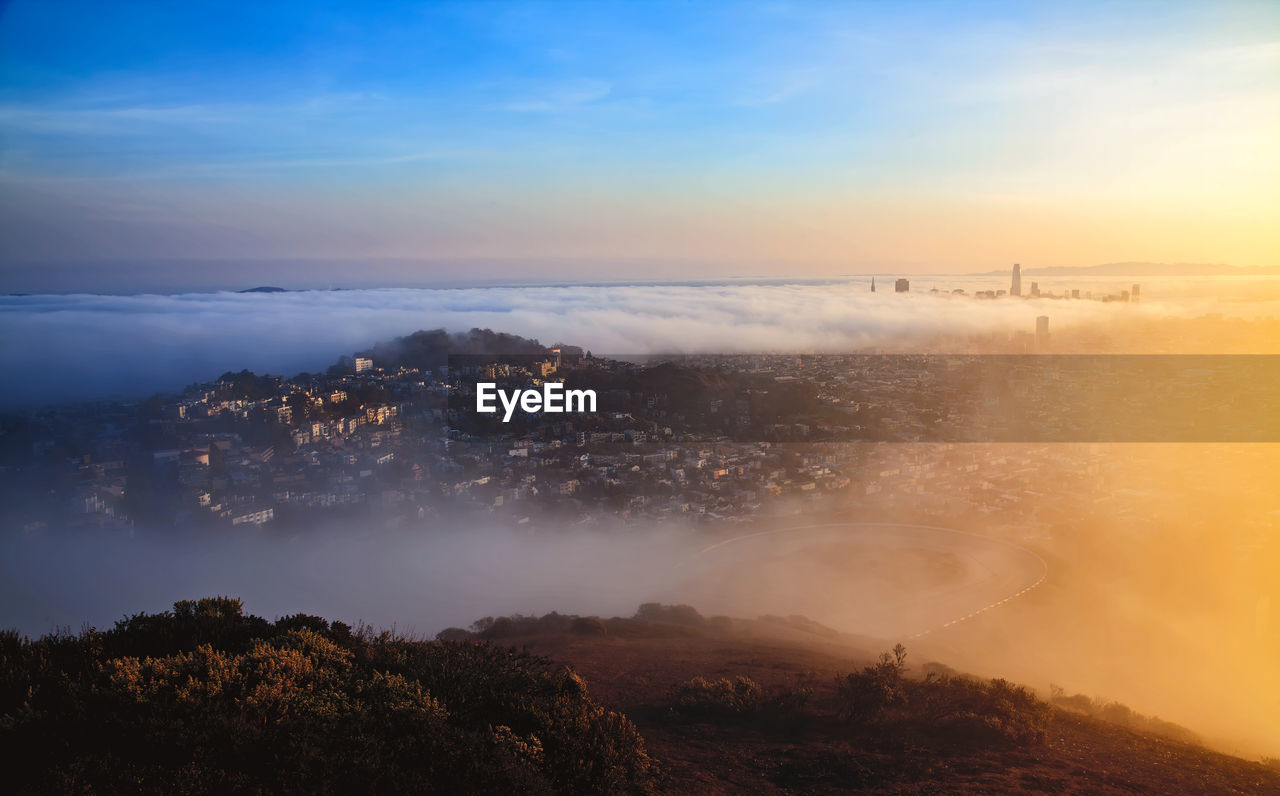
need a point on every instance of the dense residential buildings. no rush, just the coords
(709, 438)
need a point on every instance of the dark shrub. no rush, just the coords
(720, 624)
(963, 710)
(501, 627)
(455, 634)
(702, 698)
(741, 697)
(867, 694)
(303, 622)
(212, 620)
(301, 706)
(588, 626)
(958, 710)
(671, 614)
(552, 623)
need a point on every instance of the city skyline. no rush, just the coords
(525, 141)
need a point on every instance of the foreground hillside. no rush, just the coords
(810, 719)
(204, 699)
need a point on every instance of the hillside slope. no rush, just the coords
(206, 699)
(781, 746)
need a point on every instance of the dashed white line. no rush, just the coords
(1044, 573)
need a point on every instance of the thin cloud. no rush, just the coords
(95, 116)
(565, 96)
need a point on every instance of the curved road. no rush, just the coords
(879, 579)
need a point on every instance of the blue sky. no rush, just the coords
(565, 139)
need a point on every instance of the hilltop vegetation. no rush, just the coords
(431, 349)
(778, 704)
(207, 699)
(204, 699)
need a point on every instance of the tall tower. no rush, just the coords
(1016, 288)
(1042, 333)
(873, 284)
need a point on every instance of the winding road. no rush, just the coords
(877, 579)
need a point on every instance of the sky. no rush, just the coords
(170, 146)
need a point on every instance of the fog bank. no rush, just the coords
(73, 347)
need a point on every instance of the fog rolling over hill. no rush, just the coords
(1113, 594)
(86, 346)
(668, 397)
(357, 495)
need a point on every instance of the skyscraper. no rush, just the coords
(873, 284)
(901, 286)
(1042, 332)
(1133, 294)
(1016, 288)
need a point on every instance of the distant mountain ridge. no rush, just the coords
(1147, 269)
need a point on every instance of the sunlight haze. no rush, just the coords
(616, 141)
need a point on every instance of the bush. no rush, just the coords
(204, 699)
(972, 711)
(517, 625)
(455, 634)
(720, 624)
(944, 707)
(664, 621)
(867, 694)
(589, 626)
(702, 698)
(741, 697)
(1117, 713)
(495, 628)
(685, 615)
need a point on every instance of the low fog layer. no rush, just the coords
(874, 579)
(1169, 619)
(70, 347)
(420, 582)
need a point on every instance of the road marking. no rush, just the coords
(1044, 566)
